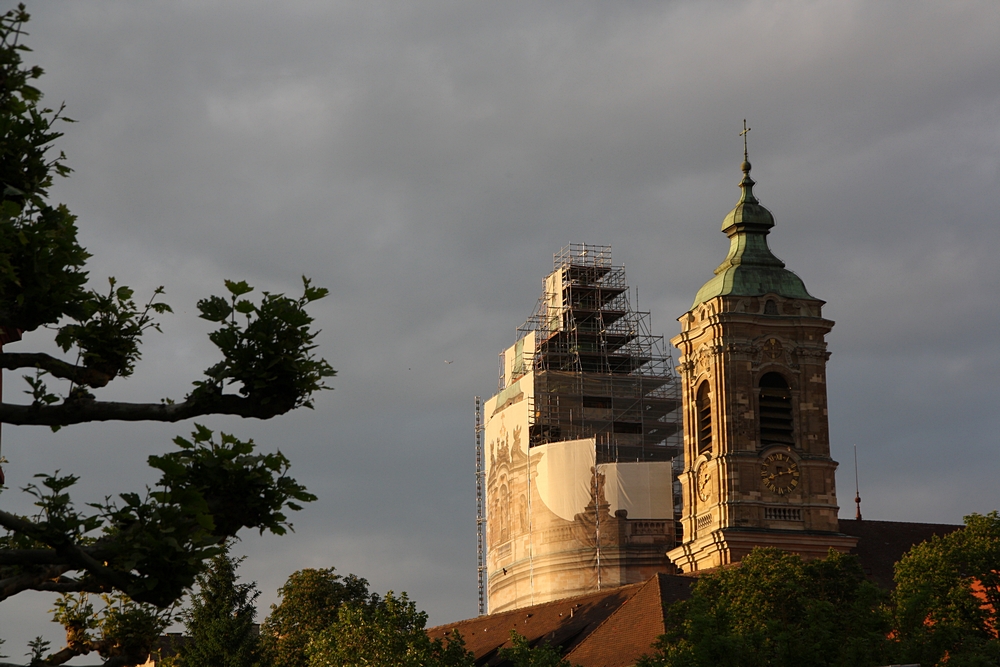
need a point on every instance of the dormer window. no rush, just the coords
(770, 307)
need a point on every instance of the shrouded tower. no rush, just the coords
(757, 466)
(579, 442)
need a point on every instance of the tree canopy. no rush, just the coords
(386, 631)
(310, 602)
(522, 654)
(220, 622)
(141, 551)
(776, 610)
(947, 596)
(325, 620)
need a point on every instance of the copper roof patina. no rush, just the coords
(751, 269)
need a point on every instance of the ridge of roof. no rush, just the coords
(562, 623)
(570, 622)
(629, 632)
(882, 543)
(855, 522)
(577, 599)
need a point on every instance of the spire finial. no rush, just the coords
(746, 156)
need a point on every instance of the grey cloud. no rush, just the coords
(425, 161)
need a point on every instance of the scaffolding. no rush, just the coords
(594, 371)
(481, 505)
(599, 372)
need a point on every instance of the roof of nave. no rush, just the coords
(609, 628)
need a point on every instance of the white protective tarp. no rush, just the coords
(565, 479)
(643, 489)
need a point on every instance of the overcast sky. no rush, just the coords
(425, 160)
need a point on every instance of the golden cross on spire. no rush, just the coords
(744, 135)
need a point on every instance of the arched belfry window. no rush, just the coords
(775, 405)
(703, 406)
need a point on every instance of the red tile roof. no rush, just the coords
(629, 633)
(602, 629)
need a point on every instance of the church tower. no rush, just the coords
(580, 442)
(757, 466)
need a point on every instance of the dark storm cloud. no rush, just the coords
(425, 161)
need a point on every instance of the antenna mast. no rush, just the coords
(857, 488)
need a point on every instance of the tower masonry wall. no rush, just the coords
(740, 480)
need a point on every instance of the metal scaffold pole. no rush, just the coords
(480, 506)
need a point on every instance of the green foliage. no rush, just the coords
(940, 616)
(207, 492)
(152, 548)
(139, 551)
(119, 628)
(239, 488)
(37, 648)
(220, 622)
(267, 347)
(110, 329)
(310, 602)
(39, 392)
(386, 631)
(775, 610)
(26, 129)
(41, 262)
(522, 654)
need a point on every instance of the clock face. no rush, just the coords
(780, 473)
(704, 479)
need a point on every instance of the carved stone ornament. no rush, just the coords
(814, 352)
(772, 349)
(702, 362)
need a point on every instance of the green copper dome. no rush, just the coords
(750, 269)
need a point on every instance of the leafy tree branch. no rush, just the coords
(139, 552)
(151, 547)
(267, 351)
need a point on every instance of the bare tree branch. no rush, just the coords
(62, 656)
(49, 579)
(30, 557)
(63, 557)
(78, 411)
(66, 654)
(15, 523)
(104, 574)
(57, 367)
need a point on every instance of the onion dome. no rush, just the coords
(751, 269)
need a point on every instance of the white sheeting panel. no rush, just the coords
(643, 489)
(505, 432)
(566, 476)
